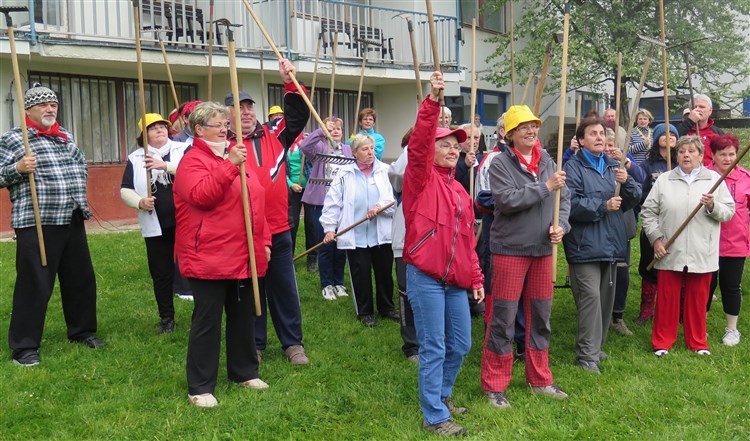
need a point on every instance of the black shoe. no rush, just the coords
(519, 357)
(92, 342)
(167, 325)
(312, 266)
(392, 316)
(477, 309)
(27, 358)
(368, 320)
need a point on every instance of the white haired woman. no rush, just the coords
(360, 190)
(686, 267)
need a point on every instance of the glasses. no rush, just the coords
(449, 147)
(226, 125)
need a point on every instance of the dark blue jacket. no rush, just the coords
(596, 235)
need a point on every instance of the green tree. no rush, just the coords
(601, 29)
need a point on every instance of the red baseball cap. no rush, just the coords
(443, 132)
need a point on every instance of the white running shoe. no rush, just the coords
(661, 352)
(341, 291)
(187, 297)
(704, 352)
(329, 292)
(731, 337)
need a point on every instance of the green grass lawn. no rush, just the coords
(358, 385)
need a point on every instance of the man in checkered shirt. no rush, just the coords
(59, 170)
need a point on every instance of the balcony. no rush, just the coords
(299, 28)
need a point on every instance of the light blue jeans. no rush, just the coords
(441, 316)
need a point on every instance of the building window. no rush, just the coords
(487, 20)
(344, 105)
(103, 113)
(490, 105)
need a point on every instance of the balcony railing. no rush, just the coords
(297, 28)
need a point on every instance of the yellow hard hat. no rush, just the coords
(517, 115)
(274, 110)
(153, 118)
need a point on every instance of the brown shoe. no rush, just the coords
(445, 428)
(453, 409)
(620, 327)
(296, 355)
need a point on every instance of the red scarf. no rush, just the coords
(52, 131)
(536, 156)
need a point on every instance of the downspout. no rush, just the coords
(32, 23)
(287, 33)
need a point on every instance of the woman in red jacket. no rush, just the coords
(441, 262)
(211, 245)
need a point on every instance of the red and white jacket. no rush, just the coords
(438, 211)
(210, 240)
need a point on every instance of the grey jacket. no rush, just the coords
(524, 207)
(396, 175)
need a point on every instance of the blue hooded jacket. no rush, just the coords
(596, 235)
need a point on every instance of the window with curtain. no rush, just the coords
(487, 20)
(103, 113)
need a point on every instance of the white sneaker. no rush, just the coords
(255, 383)
(203, 400)
(704, 352)
(731, 337)
(341, 291)
(661, 352)
(187, 297)
(329, 292)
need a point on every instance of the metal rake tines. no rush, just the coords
(368, 42)
(333, 159)
(323, 181)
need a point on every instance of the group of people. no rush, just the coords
(417, 211)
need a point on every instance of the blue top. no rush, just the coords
(379, 142)
(367, 195)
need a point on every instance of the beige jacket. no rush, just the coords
(670, 202)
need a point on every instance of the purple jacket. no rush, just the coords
(315, 192)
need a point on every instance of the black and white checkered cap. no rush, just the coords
(38, 94)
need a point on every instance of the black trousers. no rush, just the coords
(729, 280)
(160, 254)
(69, 260)
(212, 297)
(408, 331)
(295, 208)
(362, 263)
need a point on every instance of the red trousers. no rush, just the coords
(512, 276)
(667, 318)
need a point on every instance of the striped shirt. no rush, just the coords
(60, 178)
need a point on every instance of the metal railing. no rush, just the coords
(297, 28)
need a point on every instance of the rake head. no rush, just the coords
(333, 159)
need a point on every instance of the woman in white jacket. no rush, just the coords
(686, 267)
(155, 213)
(358, 191)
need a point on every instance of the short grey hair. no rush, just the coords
(203, 112)
(359, 140)
(700, 96)
(501, 122)
(690, 139)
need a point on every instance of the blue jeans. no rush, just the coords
(331, 260)
(441, 316)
